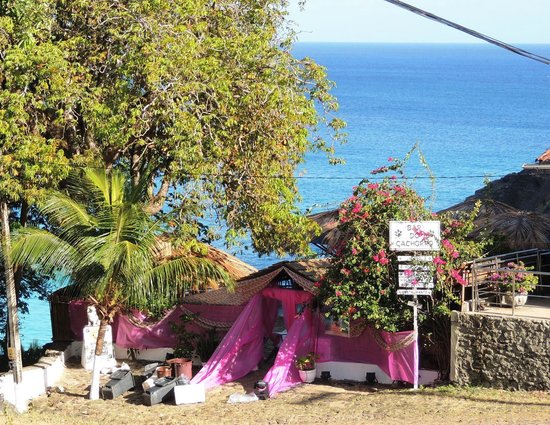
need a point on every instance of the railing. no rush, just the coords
(486, 275)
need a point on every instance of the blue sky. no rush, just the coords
(512, 21)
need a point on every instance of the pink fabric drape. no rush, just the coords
(128, 334)
(398, 365)
(289, 299)
(242, 347)
(300, 340)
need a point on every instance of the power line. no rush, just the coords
(471, 32)
(356, 178)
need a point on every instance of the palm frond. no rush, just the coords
(173, 278)
(67, 213)
(36, 247)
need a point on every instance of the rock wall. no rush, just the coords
(500, 352)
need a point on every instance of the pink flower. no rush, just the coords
(414, 282)
(346, 272)
(354, 251)
(457, 276)
(373, 186)
(317, 284)
(439, 261)
(447, 245)
(380, 170)
(408, 272)
(356, 208)
(381, 257)
(338, 293)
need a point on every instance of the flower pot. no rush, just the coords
(164, 371)
(181, 367)
(308, 375)
(517, 300)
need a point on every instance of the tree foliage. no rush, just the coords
(207, 95)
(109, 246)
(35, 98)
(204, 97)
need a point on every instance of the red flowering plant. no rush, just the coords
(512, 278)
(361, 282)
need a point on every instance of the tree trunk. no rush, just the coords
(13, 320)
(99, 360)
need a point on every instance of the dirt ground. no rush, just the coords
(318, 403)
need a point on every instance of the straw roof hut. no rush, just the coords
(330, 233)
(300, 274)
(519, 229)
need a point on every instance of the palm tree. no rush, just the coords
(104, 240)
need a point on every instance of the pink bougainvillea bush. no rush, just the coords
(361, 282)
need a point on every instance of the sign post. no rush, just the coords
(414, 277)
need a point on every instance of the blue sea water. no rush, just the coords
(478, 112)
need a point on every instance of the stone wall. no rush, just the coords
(500, 352)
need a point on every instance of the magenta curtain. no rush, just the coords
(300, 340)
(398, 365)
(242, 347)
(289, 300)
(141, 334)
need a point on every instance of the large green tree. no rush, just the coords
(208, 96)
(35, 103)
(111, 248)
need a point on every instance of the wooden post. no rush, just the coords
(14, 346)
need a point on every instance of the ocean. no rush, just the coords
(476, 111)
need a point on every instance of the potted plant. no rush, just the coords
(514, 285)
(306, 367)
(185, 347)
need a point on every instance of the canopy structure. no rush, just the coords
(249, 315)
(241, 350)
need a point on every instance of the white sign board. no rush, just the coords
(414, 292)
(88, 347)
(419, 280)
(415, 235)
(415, 258)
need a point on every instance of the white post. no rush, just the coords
(415, 318)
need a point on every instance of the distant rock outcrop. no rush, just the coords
(528, 190)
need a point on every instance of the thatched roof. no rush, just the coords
(236, 268)
(488, 208)
(304, 272)
(330, 234)
(520, 229)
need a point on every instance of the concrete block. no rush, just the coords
(192, 393)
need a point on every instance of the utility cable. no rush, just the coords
(471, 32)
